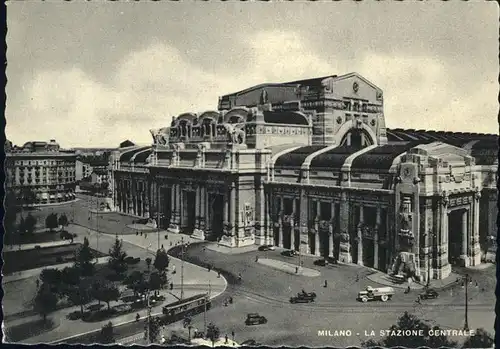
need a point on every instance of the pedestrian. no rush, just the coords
(296, 270)
(136, 233)
(226, 339)
(137, 317)
(256, 258)
(218, 274)
(477, 285)
(145, 235)
(170, 243)
(141, 233)
(162, 247)
(232, 334)
(173, 269)
(171, 286)
(326, 283)
(408, 289)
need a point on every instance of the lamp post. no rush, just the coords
(182, 267)
(466, 279)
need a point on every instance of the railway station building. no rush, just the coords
(309, 165)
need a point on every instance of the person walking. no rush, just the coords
(326, 283)
(226, 339)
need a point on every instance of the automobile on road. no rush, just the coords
(255, 319)
(429, 294)
(267, 248)
(381, 293)
(306, 294)
(289, 253)
(303, 298)
(325, 262)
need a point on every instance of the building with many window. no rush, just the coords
(40, 172)
(309, 165)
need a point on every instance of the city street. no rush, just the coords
(266, 290)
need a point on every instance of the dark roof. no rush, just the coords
(333, 159)
(383, 156)
(485, 151)
(126, 143)
(458, 139)
(285, 117)
(296, 158)
(311, 82)
(142, 156)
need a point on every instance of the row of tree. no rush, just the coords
(79, 285)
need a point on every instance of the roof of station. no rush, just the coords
(485, 151)
(333, 158)
(296, 157)
(458, 139)
(382, 157)
(128, 155)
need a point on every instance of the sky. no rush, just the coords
(92, 74)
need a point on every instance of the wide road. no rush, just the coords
(267, 291)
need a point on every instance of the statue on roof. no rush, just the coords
(264, 97)
(160, 136)
(235, 133)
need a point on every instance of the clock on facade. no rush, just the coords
(355, 87)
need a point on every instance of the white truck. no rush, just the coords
(376, 293)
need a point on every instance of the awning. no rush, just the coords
(52, 196)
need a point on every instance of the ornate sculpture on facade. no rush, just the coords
(405, 219)
(235, 133)
(160, 136)
(445, 198)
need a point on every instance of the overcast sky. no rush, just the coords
(95, 73)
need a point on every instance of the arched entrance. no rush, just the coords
(276, 235)
(324, 240)
(456, 235)
(312, 242)
(357, 137)
(287, 231)
(216, 217)
(188, 211)
(368, 257)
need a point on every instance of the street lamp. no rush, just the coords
(466, 279)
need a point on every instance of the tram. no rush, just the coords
(184, 308)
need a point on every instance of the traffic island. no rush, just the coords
(288, 267)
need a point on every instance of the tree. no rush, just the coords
(117, 257)
(481, 339)
(107, 335)
(30, 224)
(106, 292)
(154, 329)
(12, 208)
(157, 281)
(51, 222)
(84, 258)
(52, 278)
(162, 260)
(148, 262)
(63, 220)
(411, 322)
(45, 301)
(80, 294)
(213, 332)
(136, 282)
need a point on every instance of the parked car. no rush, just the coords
(429, 293)
(371, 293)
(306, 294)
(267, 248)
(289, 253)
(303, 298)
(255, 319)
(324, 262)
(66, 235)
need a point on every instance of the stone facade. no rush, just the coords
(309, 165)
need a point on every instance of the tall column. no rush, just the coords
(232, 213)
(203, 206)
(317, 251)
(262, 216)
(280, 218)
(465, 233)
(198, 207)
(331, 242)
(304, 224)
(268, 224)
(475, 247)
(360, 236)
(292, 225)
(375, 239)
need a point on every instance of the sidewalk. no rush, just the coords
(384, 279)
(288, 267)
(230, 250)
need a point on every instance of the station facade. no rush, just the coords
(309, 165)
